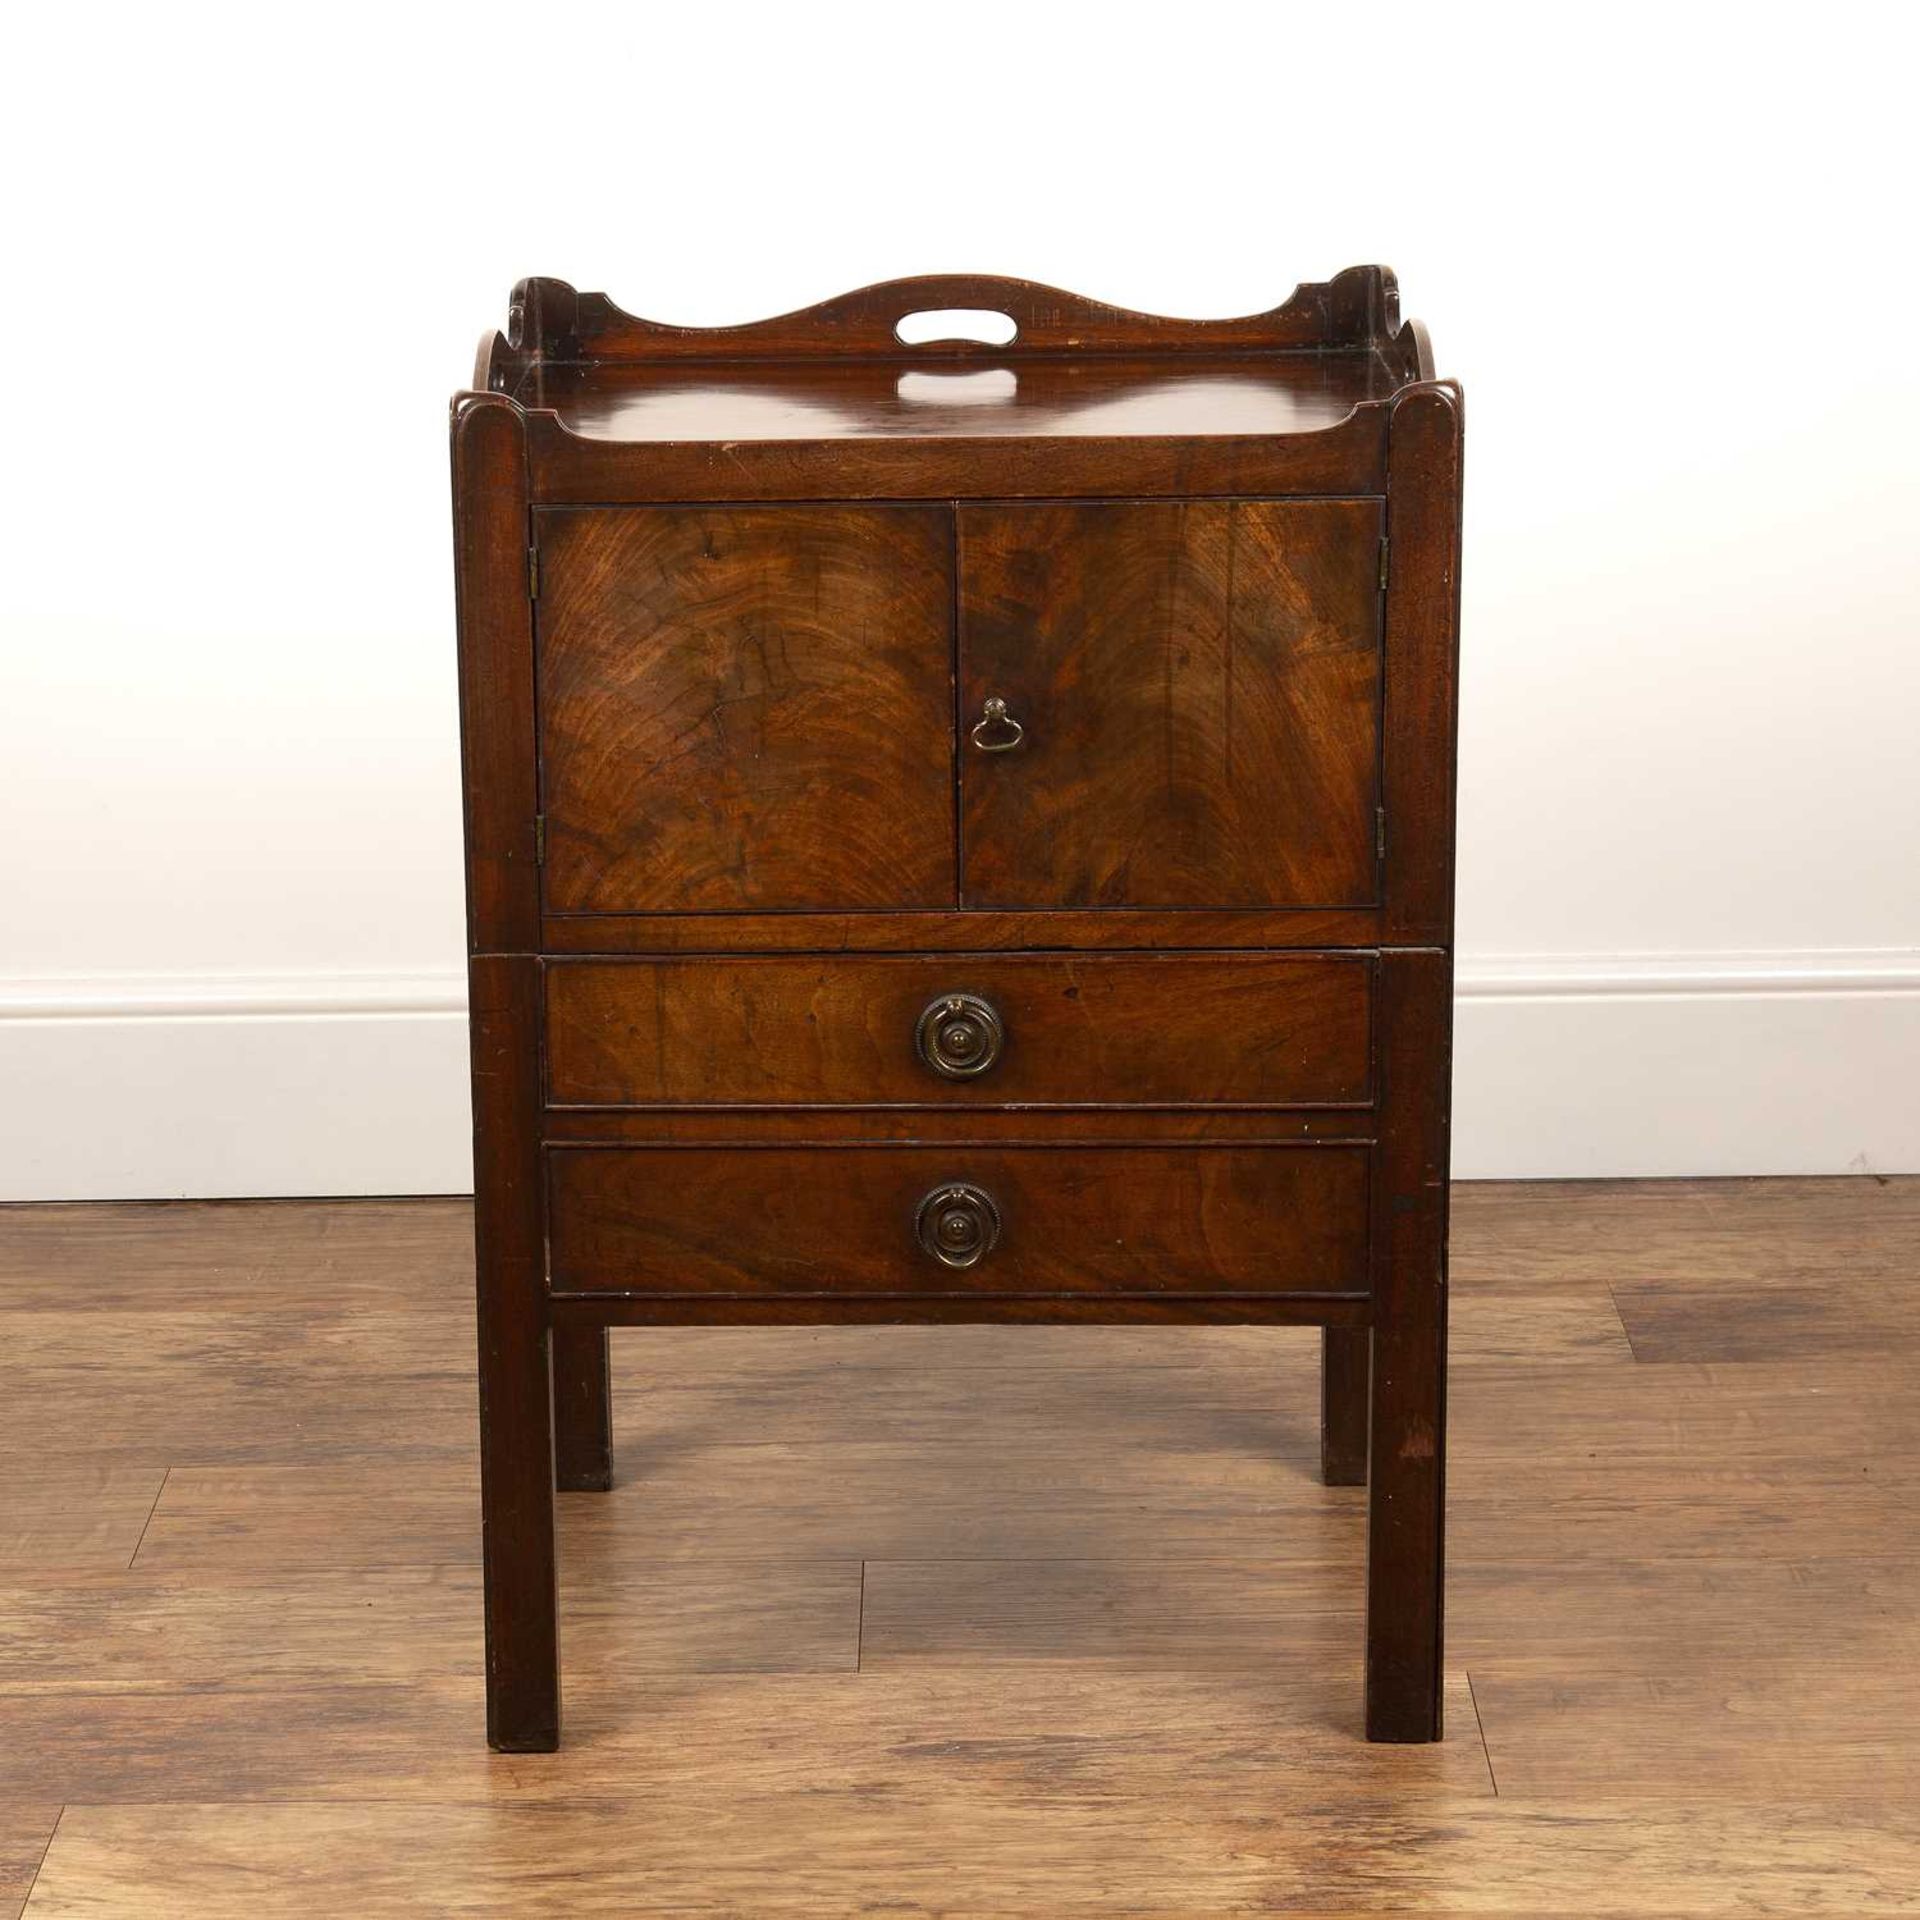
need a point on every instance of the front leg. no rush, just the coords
(516, 1380)
(1406, 1499)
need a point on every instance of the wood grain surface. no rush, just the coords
(1095, 1220)
(1422, 647)
(573, 469)
(859, 400)
(1183, 929)
(746, 707)
(1098, 1030)
(517, 1462)
(1359, 308)
(495, 621)
(1086, 399)
(25, 1829)
(1008, 1620)
(1199, 688)
(1066, 1849)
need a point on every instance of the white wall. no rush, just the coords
(249, 250)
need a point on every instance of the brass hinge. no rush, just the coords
(533, 573)
(539, 839)
(1383, 564)
(1379, 833)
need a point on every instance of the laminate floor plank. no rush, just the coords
(1723, 1679)
(1809, 1724)
(851, 1499)
(1812, 1213)
(1141, 1735)
(1665, 1619)
(208, 1386)
(61, 1513)
(1776, 1319)
(1645, 1419)
(1167, 1615)
(170, 1256)
(1490, 1324)
(1660, 1618)
(974, 1850)
(1272, 1406)
(25, 1829)
(209, 1349)
(283, 1518)
(1595, 1518)
(770, 1353)
(1738, 1233)
(1563, 1235)
(132, 1632)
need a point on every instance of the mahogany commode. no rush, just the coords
(960, 832)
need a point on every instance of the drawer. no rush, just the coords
(970, 1030)
(989, 1220)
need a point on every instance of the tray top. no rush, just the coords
(1074, 368)
(825, 400)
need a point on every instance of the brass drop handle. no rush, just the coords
(958, 1224)
(959, 1036)
(1006, 732)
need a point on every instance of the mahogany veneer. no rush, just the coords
(959, 832)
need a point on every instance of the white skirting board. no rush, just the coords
(1580, 1066)
(1668, 1065)
(218, 1088)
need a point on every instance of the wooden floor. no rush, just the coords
(1020, 1621)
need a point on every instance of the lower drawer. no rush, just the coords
(1032, 1220)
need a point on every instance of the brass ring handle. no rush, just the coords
(958, 1224)
(994, 718)
(959, 1036)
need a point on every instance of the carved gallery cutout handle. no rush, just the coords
(959, 1225)
(997, 731)
(985, 326)
(959, 1036)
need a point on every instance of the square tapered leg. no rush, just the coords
(1345, 1358)
(1406, 1500)
(582, 1410)
(516, 1377)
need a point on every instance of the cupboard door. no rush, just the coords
(1192, 695)
(746, 708)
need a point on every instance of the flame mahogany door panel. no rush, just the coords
(746, 708)
(1196, 691)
